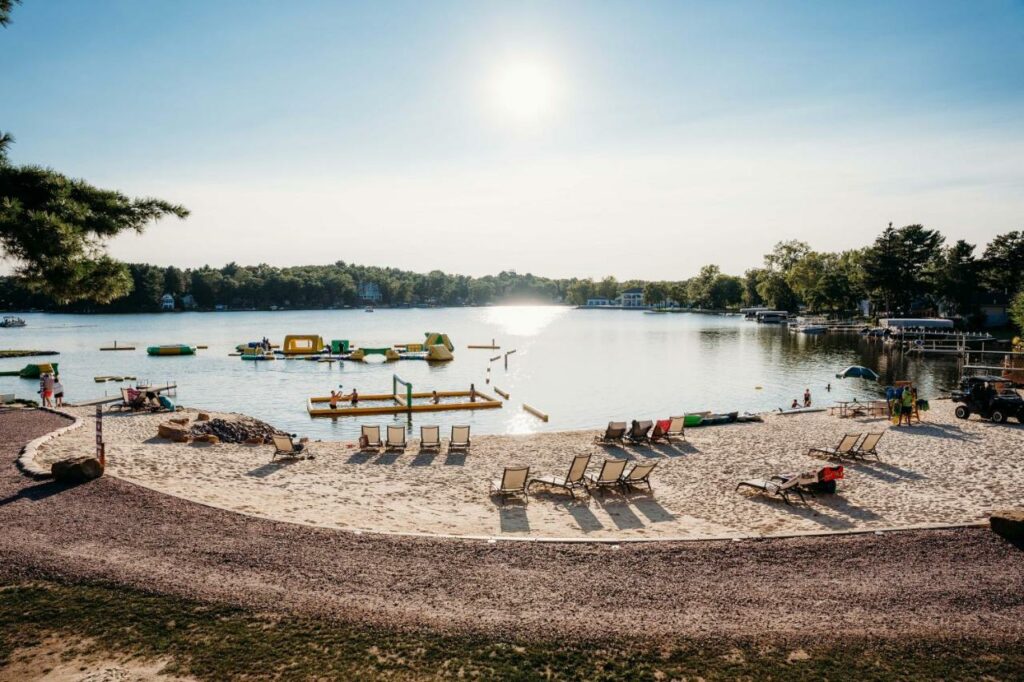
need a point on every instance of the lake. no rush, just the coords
(582, 367)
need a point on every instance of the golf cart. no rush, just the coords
(989, 397)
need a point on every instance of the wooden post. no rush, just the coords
(100, 449)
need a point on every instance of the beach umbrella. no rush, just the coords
(858, 372)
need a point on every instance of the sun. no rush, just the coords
(524, 90)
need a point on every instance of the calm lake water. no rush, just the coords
(583, 367)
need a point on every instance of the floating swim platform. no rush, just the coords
(319, 406)
(116, 347)
(172, 349)
(480, 347)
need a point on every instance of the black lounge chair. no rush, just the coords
(638, 432)
(575, 479)
(613, 434)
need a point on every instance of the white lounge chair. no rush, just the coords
(575, 479)
(844, 449)
(396, 438)
(781, 488)
(609, 475)
(284, 446)
(640, 473)
(430, 438)
(460, 438)
(512, 482)
(370, 438)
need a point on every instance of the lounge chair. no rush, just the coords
(676, 428)
(370, 438)
(512, 482)
(821, 481)
(868, 445)
(396, 438)
(575, 479)
(609, 476)
(284, 446)
(133, 403)
(774, 487)
(460, 438)
(430, 438)
(640, 473)
(660, 431)
(638, 432)
(844, 449)
(612, 434)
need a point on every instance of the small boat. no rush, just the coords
(12, 321)
(257, 355)
(172, 349)
(800, 411)
(369, 309)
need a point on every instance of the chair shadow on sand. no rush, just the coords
(424, 458)
(621, 514)
(950, 431)
(890, 473)
(39, 491)
(810, 511)
(512, 515)
(265, 470)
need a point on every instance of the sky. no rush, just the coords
(640, 140)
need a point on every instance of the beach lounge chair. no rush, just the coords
(612, 434)
(284, 446)
(638, 432)
(775, 487)
(460, 438)
(609, 476)
(676, 428)
(430, 438)
(575, 479)
(132, 399)
(640, 473)
(396, 438)
(660, 431)
(512, 482)
(369, 438)
(844, 449)
(868, 445)
(821, 481)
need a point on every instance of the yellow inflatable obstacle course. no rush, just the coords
(302, 344)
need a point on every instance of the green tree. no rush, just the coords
(700, 289)
(751, 278)
(5, 11)
(608, 288)
(655, 293)
(1003, 262)
(1017, 310)
(897, 266)
(785, 255)
(775, 292)
(956, 277)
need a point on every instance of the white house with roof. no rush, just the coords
(631, 298)
(166, 302)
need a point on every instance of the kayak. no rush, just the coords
(802, 410)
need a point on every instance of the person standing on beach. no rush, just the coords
(58, 392)
(907, 409)
(46, 389)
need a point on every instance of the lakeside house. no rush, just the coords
(167, 302)
(369, 292)
(630, 298)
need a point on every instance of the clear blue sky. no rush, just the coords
(590, 138)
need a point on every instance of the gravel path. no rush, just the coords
(926, 584)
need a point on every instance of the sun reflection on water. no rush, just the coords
(525, 320)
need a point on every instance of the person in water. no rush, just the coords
(795, 405)
(472, 393)
(355, 397)
(334, 400)
(828, 387)
(436, 399)
(807, 397)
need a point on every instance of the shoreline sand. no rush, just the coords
(943, 471)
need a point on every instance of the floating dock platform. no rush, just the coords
(319, 406)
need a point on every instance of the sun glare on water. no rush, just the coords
(524, 91)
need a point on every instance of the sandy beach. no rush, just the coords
(943, 471)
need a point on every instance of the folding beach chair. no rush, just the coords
(612, 434)
(640, 473)
(821, 481)
(676, 428)
(781, 488)
(660, 431)
(575, 478)
(844, 449)
(868, 445)
(370, 438)
(512, 482)
(430, 438)
(460, 438)
(638, 432)
(284, 446)
(609, 475)
(396, 438)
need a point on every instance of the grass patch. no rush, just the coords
(218, 642)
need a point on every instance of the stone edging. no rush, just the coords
(27, 459)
